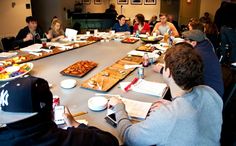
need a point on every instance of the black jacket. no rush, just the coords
(23, 33)
(48, 134)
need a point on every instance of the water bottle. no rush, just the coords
(145, 60)
(137, 34)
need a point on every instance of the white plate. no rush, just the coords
(97, 103)
(68, 83)
(29, 64)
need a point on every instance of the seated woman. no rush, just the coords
(163, 26)
(121, 25)
(140, 25)
(56, 32)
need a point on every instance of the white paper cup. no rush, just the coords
(154, 34)
(95, 31)
(87, 32)
(112, 32)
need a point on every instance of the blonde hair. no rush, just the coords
(54, 22)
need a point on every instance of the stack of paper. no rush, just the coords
(135, 109)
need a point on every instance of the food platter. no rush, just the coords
(99, 83)
(15, 71)
(79, 69)
(130, 40)
(146, 48)
(131, 58)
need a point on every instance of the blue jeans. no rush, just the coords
(228, 36)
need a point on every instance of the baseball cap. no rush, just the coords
(23, 98)
(195, 35)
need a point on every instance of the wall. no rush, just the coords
(128, 10)
(209, 6)
(13, 19)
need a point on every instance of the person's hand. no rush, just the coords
(69, 119)
(60, 37)
(158, 103)
(28, 37)
(114, 101)
(157, 68)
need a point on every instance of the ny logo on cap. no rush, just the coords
(4, 98)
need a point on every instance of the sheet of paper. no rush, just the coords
(32, 48)
(136, 109)
(147, 87)
(8, 54)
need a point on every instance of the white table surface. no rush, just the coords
(105, 54)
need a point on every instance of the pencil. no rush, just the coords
(79, 114)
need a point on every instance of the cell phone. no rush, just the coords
(58, 114)
(111, 119)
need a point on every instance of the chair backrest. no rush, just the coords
(8, 43)
(229, 83)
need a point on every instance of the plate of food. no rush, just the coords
(15, 71)
(79, 69)
(152, 39)
(130, 40)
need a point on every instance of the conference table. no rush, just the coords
(103, 53)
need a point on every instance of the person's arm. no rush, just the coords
(155, 29)
(22, 37)
(173, 29)
(81, 134)
(153, 130)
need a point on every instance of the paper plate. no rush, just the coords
(97, 103)
(68, 83)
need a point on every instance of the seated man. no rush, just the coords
(212, 75)
(194, 117)
(30, 34)
(26, 109)
(121, 26)
(163, 27)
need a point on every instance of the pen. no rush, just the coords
(79, 114)
(133, 82)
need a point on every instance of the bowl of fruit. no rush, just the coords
(15, 71)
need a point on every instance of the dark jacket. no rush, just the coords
(212, 69)
(46, 133)
(23, 33)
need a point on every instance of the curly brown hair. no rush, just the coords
(185, 65)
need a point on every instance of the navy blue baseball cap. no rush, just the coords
(24, 97)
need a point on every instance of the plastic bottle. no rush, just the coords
(137, 34)
(145, 60)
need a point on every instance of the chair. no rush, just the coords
(8, 43)
(229, 84)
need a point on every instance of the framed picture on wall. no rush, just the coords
(136, 2)
(122, 2)
(97, 2)
(150, 2)
(87, 2)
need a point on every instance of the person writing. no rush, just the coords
(140, 25)
(164, 26)
(121, 25)
(26, 109)
(184, 120)
(30, 34)
(56, 32)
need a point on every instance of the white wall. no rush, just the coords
(13, 19)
